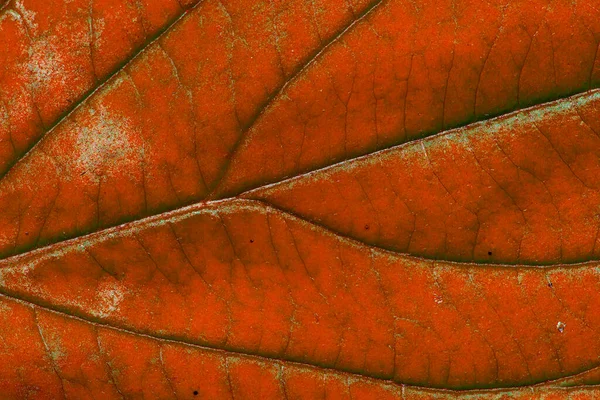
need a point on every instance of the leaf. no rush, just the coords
(264, 200)
(96, 364)
(55, 53)
(248, 279)
(521, 188)
(145, 142)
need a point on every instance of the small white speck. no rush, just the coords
(561, 326)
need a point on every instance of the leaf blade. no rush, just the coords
(163, 168)
(319, 299)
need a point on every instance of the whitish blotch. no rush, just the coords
(105, 142)
(109, 295)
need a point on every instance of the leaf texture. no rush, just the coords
(161, 134)
(98, 366)
(53, 53)
(521, 188)
(299, 199)
(244, 277)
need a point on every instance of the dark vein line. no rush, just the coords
(593, 66)
(101, 84)
(311, 59)
(248, 195)
(468, 126)
(48, 354)
(165, 339)
(98, 323)
(111, 371)
(458, 130)
(355, 241)
(5, 7)
(131, 228)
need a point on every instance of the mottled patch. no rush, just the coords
(110, 295)
(105, 142)
(28, 15)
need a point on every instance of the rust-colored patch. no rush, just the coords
(299, 199)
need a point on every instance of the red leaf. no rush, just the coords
(269, 164)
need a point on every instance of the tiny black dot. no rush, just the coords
(195, 393)
(367, 227)
(550, 284)
(251, 240)
(489, 253)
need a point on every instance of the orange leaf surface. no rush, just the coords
(299, 199)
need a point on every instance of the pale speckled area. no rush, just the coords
(105, 142)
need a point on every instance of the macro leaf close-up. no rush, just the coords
(300, 199)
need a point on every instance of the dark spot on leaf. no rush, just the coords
(26, 233)
(251, 240)
(195, 393)
(367, 227)
(550, 284)
(489, 253)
